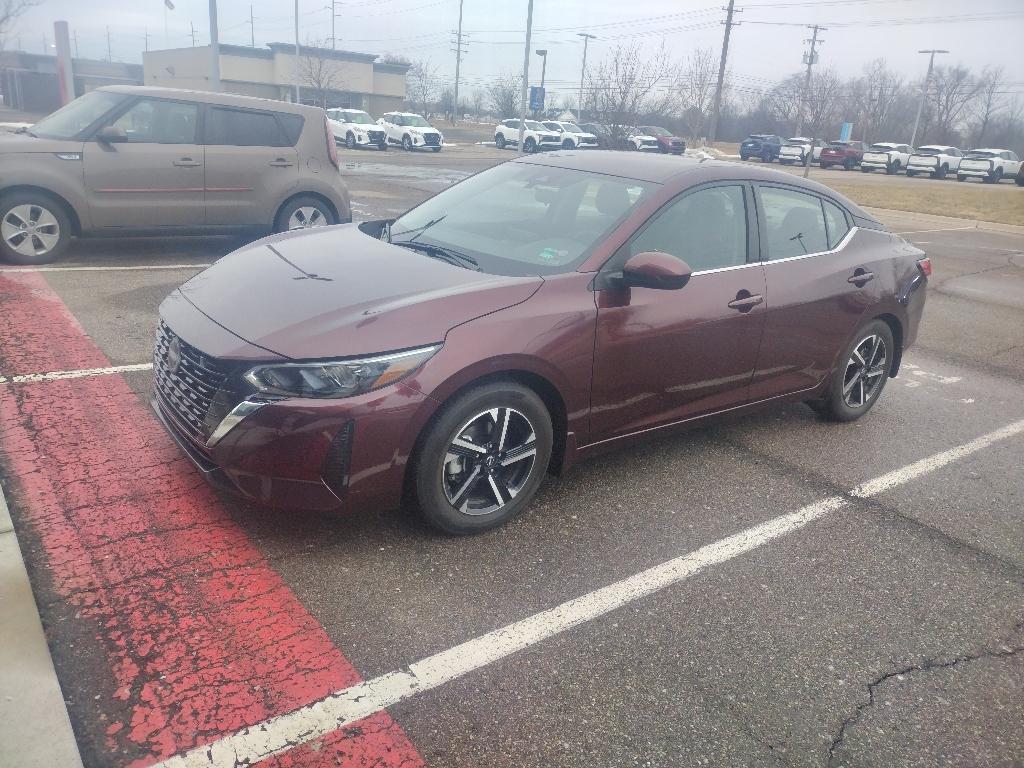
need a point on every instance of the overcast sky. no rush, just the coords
(765, 48)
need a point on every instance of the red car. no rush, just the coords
(845, 153)
(667, 141)
(537, 313)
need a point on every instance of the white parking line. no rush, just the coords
(922, 231)
(55, 375)
(352, 704)
(136, 268)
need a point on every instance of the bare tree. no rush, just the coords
(503, 96)
(421, 85)
(873, 98)
(10, 12)
(953, 91)
(320, 71)
(990, 101)
(623, 86)
(477, 101)
(698, 77)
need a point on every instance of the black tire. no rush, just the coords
(744, 157)
(849, 164)
(960, 177)
(1019, 180)
(499, 141)
(530, 145)
(823, 165)
(865, 169)
(911, 174)
(284, 215)
(51, 218)
(996, 177)
(435, 149)
(836, 405)
(766, 157)
(567, 144)
(438, 475)
(350, 140)
(407, 143)
(892, 168)
(941, 173)
(383, 146)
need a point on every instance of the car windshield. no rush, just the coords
(523, 219)
(758, 136)
(882, 147)
(413, 120)
(572, 128)
(839, 144)
(533, 125)
(359, 118)
(655, 130)
(69, 121)
(928, 151)
(980, 154)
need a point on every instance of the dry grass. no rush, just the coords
(1003, 203)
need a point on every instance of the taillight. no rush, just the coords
(925, 265)
(332, 147)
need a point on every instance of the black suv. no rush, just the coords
(762, 145)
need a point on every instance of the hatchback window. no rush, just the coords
(707, 229)
(154, 121)
(835, 223)
(794, 221)
(292, 125)
(243, 128)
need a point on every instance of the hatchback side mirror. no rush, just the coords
(109, 134)
(654, 269)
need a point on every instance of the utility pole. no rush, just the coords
(252, 28)
(109, 56)
(145, 37)
(192, 27)
(74, 36)
(458, 66)
(924, 92)
(296, 72)
(334, 13)
(729, 24)
(526, 77)
(810, 59)
(543, 53)
(214, 49)
(583, 70)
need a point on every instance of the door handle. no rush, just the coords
(186, 162)
(860, 277)
(745, 301)
(281, 163)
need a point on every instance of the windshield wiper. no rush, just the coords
(418, 230)
(443, 254)
(26, 131)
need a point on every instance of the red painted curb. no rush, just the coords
(188, 631)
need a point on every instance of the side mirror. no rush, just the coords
(108, 134)
(653, 269)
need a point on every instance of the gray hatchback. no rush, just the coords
(139, 160)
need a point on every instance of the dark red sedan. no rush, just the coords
(535, 314)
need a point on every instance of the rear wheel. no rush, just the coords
(849, 164)
(961, 177)
(823, 165)
(766, 156)
(941, 173)
(996, 177)
(435, 149)
(480, 463)
(865, 169)
(34, 228)
(911, 173)
(861, 375)
(893, 167)
(567, 144)
(304, 212)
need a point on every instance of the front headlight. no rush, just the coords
(341, 378)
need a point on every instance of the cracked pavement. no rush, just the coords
(887, 634)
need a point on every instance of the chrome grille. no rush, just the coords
(187, 393)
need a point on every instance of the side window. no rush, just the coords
(242, 128)
(707, 229)
(835, 223)
(794, 222)
(153, 121)
(292, 125)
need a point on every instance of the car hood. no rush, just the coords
(337, 292)
(22, 143)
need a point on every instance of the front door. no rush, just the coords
(151, 174)
(668, 355)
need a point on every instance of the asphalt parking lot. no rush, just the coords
(871, 612)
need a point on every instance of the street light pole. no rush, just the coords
(924, 92)
(583, 70)
(296, 72)
(543, 70)
(526, 77)
(214, 49)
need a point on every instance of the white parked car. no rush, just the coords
(573, 137)
(989, 165)
(635, 139)
(410, 131)
(794, 150)
(535, 136)
(935, 159)
(887, 156)
(355, 128)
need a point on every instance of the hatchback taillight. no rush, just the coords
(925, 265)
(332, 147)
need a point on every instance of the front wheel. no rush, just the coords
(861, 375)
(961, 177)
(407, 143)
(383, 146)
(34, 229)
(350, 141)
(941, 173)
(865, 169)
(480, 463)
(823, 165)
(996, 177)
(435, 149)
(499, 141)
(892, 168)
(530, 145)
(849, 164)
(911, 173)
(567, 144)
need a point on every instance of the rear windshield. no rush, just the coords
(882, 147)
(929, 151)
(839, 144)
(977, 155)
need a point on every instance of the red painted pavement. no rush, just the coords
(193, 633)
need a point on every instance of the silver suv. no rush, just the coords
(140, 160)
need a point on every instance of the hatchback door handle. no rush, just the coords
(860, 277)
(281, 163)
(186, 162)
(745, 301)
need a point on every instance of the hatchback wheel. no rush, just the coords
(303, 213)
(530, 145)
(350, 141)
(34, 229)
(481, 462)
(567, 144)
(861, 375)
(849, 164)
(407, 143)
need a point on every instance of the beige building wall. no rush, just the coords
(178, 68)
(356, 76)
(388, 84)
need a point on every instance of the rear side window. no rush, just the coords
(835, 223)
(794, 221)
(292, 125)
(243, 128)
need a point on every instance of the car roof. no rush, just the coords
(799, 138)
(208, 97)
(936, 146)
(987, 149)
(886, 144)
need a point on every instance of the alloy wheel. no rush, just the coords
(30, 229)
(489, 461)
(306, 217)
(865, 371)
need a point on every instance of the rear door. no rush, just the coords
(251, 164)
(821, 280)
(152, 173)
